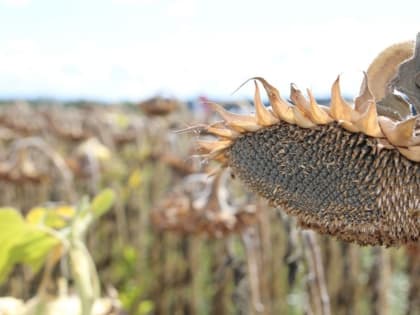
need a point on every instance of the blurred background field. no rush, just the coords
(106, 207)
(175, 241)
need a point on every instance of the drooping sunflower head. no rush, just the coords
(348, 170)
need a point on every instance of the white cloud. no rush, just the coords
(15, 3)
(182, 8)
(131, 2)
(188, 60)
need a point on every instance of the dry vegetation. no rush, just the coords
(178, 241)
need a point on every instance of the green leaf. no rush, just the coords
(10, 216)
(22, 242)
(11, 227)
(103, 202)
(33, 248)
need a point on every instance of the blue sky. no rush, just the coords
(132, 49)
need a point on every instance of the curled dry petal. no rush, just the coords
(361, 103)
(318, 114)
(238, 122)
(299, 100)
(368, 121)
(340, 109)
(399, 133)
(385, 66)
(263, 115)
(281, 108)
(349, 126)
(214, 146)
(301, 119)
(411, 153)
(223, 132)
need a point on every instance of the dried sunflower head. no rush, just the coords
(343, 170)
